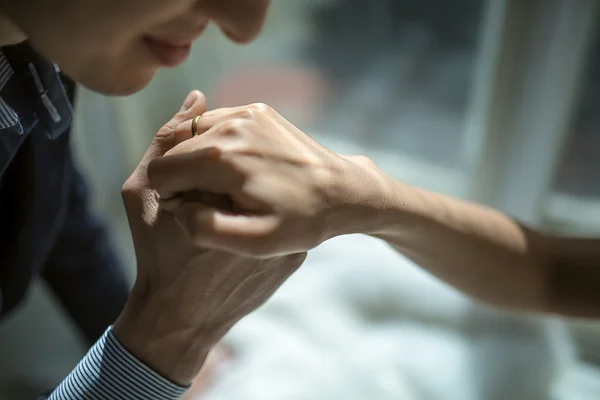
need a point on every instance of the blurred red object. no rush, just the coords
(299, 94)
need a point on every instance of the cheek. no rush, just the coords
(116, 31)
(99, 43)
(142, 16)
(119, 70)
(111, 26)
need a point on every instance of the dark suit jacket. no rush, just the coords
(46, 227)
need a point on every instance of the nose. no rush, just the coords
(240, 20)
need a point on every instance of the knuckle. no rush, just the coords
(364, 160)
(247, 113)
(260, 107)
(130, 193)
(128, 189)
(233, 127)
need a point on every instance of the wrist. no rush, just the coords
(152, 329)
(366, 200)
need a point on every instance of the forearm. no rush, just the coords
(487, 254)
(154, 350)
(480, 251)
(165, 333)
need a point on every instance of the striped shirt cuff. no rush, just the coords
(109, 371)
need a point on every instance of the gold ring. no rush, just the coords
(195, 126)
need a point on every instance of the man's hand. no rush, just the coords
(185, 297)
(288, 192)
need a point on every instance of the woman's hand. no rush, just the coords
(288, 193)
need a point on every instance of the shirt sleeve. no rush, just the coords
(109, 371)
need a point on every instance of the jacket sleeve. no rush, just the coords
(83, 270)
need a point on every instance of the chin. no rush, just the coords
(119, 85)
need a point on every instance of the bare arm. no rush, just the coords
(290, 194)
(491, 257)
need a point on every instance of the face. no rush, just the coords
(116, 46)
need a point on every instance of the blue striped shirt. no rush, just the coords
(109, 371)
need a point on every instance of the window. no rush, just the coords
(495, 101)
(574, 205)
(390, 79)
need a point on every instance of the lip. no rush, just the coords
(168, 53)
(171, 51)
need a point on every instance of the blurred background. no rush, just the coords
(495, 101)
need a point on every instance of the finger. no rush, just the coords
(213, 118)
(189, 100)
(250, 111)
(207, 122)
(199, 164)
(225, 111)
(198, 170)
(264, 113)
(246, 235)
(165, 139)
(220, 201)
(184, 129)
(194, 103)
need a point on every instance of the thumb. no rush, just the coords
(165, 139)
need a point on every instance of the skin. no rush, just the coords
(290, 193)
(100, 43)
(227, 215)
(185, 297)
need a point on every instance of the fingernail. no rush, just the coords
(189, 101)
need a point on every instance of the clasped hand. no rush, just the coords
(219, 221)
(186, 295)
(286, 193)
